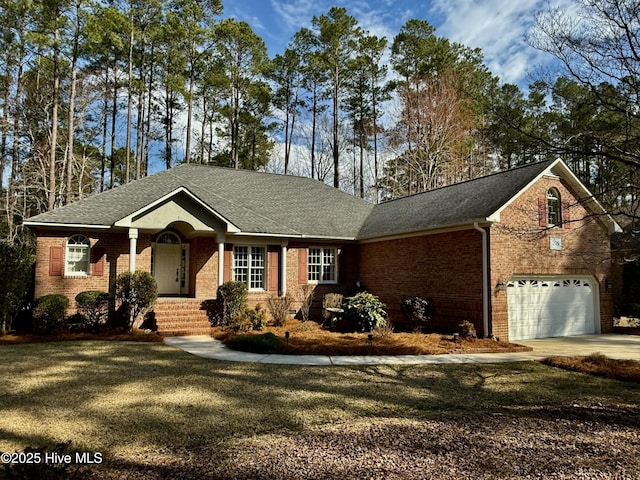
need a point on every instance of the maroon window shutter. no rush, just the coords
(303, 272)
(542, 211)
(55, 261)
(226, 277)
(273, 269)
(566, 216)
(97, 261)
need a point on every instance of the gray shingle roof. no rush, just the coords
(286, 205)
(254, 202)
(456, 204)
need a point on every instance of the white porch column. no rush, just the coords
(220, 238)
(133, 241)
(283, 267)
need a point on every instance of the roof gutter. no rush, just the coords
(27, 223)
(485, 279)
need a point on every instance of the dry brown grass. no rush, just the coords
(156, 412)
(307, 338)
(134, 336)
(600, 365)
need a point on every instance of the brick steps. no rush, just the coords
(181, 316)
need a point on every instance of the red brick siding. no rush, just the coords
(519, 246)
(203, 268)
(116, 261)
(445, 267)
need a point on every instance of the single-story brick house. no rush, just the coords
(522, 253)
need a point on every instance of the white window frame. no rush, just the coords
(77, 250)
(251, 266)
(553, 196)
(322, 265)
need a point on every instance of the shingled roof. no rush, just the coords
(271, 204)
(254, 202)
(458, 204)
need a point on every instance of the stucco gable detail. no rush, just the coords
(179, 205)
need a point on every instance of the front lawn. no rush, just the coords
(156, 412)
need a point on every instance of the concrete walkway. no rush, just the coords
(611, 345)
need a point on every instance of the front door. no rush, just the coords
(167, 268)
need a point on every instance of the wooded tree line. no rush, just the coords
(97, 93)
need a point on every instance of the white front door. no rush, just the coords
(167, 268)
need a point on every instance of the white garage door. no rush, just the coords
(550, 307)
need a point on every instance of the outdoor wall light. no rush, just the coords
(500, 287)
(608, 283)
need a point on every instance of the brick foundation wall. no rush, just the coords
(445, 267)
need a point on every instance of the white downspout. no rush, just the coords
(283, 267)
(485, 280)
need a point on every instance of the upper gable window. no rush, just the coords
(77, 256)
(554, 214)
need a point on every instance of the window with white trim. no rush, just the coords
(249, 266)
(322, 265)
(554, 215)
(77, 256)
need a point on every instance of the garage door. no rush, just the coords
(550, 307)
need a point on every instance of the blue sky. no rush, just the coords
(497, 27)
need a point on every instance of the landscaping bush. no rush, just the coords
(262, 343)
(93, 305)
(279, 309)
(467, 331)
(257, 317)
(364, 312)
(16, 266)
(135, 292)
(49, 313)
(417, 311)
(305, 296)
(231, 301)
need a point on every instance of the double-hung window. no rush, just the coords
(322, 265)
(77, 256)
(249, 266)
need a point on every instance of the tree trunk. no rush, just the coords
(54, 121)
(72, 105)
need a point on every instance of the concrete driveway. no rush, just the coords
(612, 345)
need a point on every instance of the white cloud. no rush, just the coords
(498, 27)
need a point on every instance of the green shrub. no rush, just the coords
(49, 313)
(416, 310)
(279, 309)
(135, 292)
(230, 302)
(364, 312)
(467, 331)
(93, 305)
(263, 343)
(16, 267)
(257, 317)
